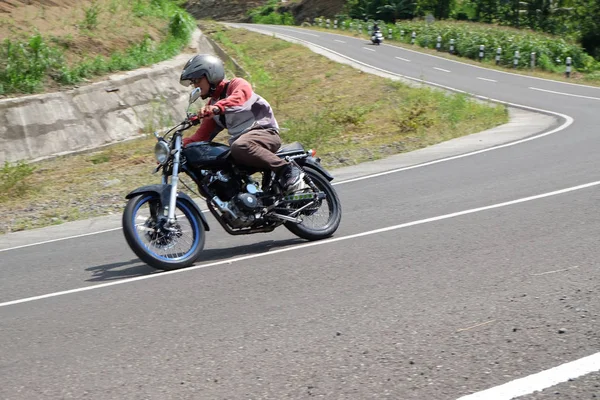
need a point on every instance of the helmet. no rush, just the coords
(203, 65)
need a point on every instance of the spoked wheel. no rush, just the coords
(320, 218)
(157, 243)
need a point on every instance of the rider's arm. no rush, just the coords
(207, 129)
(239, 92)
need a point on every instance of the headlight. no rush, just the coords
(162, 152)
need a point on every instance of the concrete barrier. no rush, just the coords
(119, 108)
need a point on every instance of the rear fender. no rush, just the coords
(164, 191)
(315, 164)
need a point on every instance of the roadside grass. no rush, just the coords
(349, 116)
(591, 78)
(98, 37)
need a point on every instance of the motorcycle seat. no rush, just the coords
(290, 149)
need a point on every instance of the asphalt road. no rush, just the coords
(467, 274)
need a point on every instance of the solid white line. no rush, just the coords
(366, 48)
(306, 245)
(303, 33)
(59, 239)
(486, 79)
(403, 59)
(441, 69)
(565, 94)
(541, 380)
(339, 41)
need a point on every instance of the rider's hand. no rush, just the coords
(209, 111)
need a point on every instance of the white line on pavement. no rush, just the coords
(441, 69)
(339, 41)
(300, 32)
(565, 94)
(486, 79)
(306, 245)
(403, 59)
(540, 381)
(366, 48)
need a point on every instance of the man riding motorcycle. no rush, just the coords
(248, 118)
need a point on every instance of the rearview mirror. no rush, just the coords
(195, 95)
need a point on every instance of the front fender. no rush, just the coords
(164, 191)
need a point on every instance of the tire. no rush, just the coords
(332, 203)
(159, 240)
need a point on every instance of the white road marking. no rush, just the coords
(441, 69)
(311, 244)
(339, 41)
(403, 59)
(300, 32)
(541, 380)
(366, 48)
(486, 79)
(59, 239)
(565, 94)
(568, 121)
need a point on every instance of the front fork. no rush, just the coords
(174, 180)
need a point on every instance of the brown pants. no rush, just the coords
(257, 149)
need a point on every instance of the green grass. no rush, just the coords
(29, 66)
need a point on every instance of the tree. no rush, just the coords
(397, 9)
(586, 19)
(486, 10)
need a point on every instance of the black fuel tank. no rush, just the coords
(206, 154)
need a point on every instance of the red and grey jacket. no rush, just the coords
(242, 109)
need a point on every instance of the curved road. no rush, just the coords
(471, 277)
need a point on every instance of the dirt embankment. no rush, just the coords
(237, 10)
(63, 23)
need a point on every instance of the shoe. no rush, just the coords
(289, 177)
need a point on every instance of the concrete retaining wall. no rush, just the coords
(119, 108)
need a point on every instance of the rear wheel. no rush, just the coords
(322, 218)
(154, 241)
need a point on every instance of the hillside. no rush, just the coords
(82, 27)
(237, 10)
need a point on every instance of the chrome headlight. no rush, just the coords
(162, 152)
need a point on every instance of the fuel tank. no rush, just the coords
(206, 154)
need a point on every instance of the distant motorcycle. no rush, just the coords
(166, 228)
(377, 38)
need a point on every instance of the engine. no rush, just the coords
(235, 199)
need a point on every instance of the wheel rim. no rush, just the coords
(320, 216)
(170, 246)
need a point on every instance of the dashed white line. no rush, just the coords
(366, 48)
(403, 59)
(306, 245)
(339, 41)
(565, 94)
(486, 79)
(441, 69)
(540, 381)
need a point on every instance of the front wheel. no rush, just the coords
(321, 219)
(157, 243)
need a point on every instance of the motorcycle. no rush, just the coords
(377, 38)
(166, 228)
